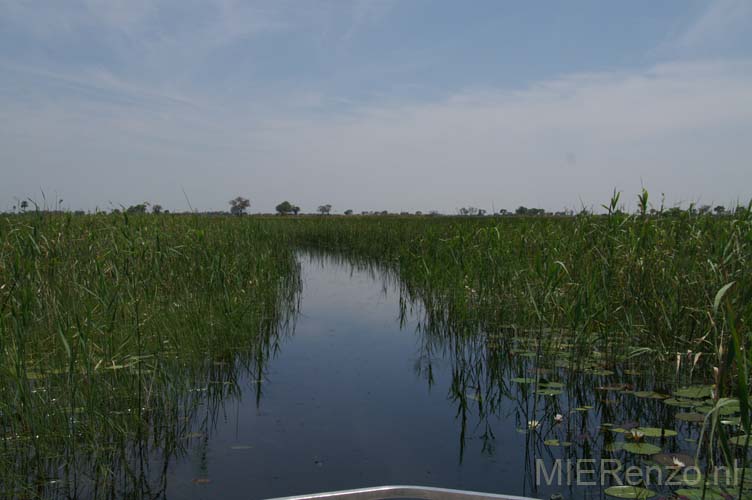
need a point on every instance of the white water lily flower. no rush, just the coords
(533, 424)
(558, 418)
(636, 435)
(678, 463)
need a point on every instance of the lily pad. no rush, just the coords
(680, 403)
(739, 440)
(523, 380)
(612, 387)
(694, 392)
(656, 432)
(548, 392)
(696, 494)
(650, 395)
(551, 385)
(642, 448)
(600, 373)
(629, 492)
(690, 417)
(556, 442)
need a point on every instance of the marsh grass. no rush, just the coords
(115, 329)
(121, 337)
(599, 295)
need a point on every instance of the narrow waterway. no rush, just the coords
(346, 403)
(362, 392)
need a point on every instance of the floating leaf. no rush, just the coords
(548, 392)
(201, 480)
(551, 385)
(523, 380)
(600, 373)
(629, 492)
(680, 403)
(694, 392)
(690, 417)
(650, 395)
(739, 440)
(642, 448)
(612, 387)
(656, 432)
(556, 442)
(696, 494)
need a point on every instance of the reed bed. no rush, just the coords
(111, 329)
(118, 332)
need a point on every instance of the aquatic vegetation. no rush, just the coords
(117, 330)
(629, 492)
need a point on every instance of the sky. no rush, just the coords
(374, 104)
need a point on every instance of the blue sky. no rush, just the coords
(374, 104)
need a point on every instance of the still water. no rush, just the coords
(343, 405)
(358, 395)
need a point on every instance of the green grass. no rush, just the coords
(109, 322)
(118, 332)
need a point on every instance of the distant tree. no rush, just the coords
(719, 209)
(348, 212)
(468, 211)
(295, 209)
(673, 212)
(137, 209)
(239, 205)
(704, 209)
(24, 205)
(325, 209)
(521, 210)
(156, 209)
(285, 208)
(481, 212)
(418, 212)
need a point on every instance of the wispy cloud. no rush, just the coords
(680, 128)
(717, 27)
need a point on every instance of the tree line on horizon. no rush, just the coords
(240, 205)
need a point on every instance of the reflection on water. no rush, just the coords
(373, 389)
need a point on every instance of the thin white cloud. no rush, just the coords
(679, 128)
(721, 24)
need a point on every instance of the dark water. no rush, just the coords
(360, 395)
